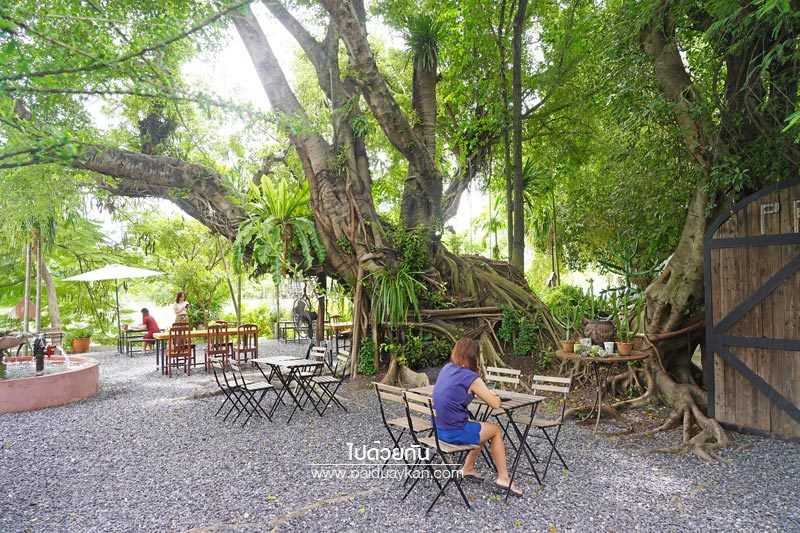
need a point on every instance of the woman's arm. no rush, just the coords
(480, 389)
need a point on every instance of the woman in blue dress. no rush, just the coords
(457, 384)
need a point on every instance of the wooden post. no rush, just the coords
(355, 345)
(27, 294)
(322, 282)
(38, 319)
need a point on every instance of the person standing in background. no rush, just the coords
(181, 308)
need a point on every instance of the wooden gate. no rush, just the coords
(752, 297)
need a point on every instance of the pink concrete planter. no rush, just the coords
(38, 392)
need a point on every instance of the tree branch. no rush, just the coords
(99, 63)
(200, 191)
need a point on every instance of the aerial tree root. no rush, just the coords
(481, 286)
(686, 399)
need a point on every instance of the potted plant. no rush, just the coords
(629, 309)
(568, 317)
(80, 340)
(597, 325)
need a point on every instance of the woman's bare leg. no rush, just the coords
(489, 432)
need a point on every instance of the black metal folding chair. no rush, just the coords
(252, 392)
(397, 426)
(232, 391)
(457, 452)
(327, 385)
(550, 427)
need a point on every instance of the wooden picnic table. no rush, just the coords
(162, 338)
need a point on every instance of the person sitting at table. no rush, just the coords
(148, 324)
(457, 384)
(181, 308)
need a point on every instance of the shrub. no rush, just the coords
(423, 351)
(366, 358)
(518, 329)
(81, 333)
(261, 315)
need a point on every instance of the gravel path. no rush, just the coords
(146, 454)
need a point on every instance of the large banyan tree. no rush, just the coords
(360, 249)
(731, 126)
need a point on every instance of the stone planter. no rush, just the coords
(599, 331)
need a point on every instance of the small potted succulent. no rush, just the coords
(629, 309)
(80, 339)
(568, 317)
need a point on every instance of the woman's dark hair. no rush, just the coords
(178, 297)
(465, 354)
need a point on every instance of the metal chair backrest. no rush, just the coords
(390, 394)
(217, 368)
(218, 341)
(342, 358)
(236, 371)
(555, 384)
(418, 403)
(499, 376)
(180, 341)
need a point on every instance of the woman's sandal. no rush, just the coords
(514, 489)
(472, 475)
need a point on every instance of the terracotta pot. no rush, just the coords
(624, 348)
(80, 345)
(599, 331)
(568, 346)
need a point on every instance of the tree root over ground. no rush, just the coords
(687, 400)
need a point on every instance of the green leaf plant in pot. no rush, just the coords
(80, 339)
(568, 317)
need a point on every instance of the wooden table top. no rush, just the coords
(195, 333)
(514, 399)
(606, 360)
(287, 363)
(337, 326)
(274, 358)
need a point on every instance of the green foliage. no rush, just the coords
(190, 257)
(394, 293)
(423, 36)
(279, 225)
(568, 317)
(518, 329)
(412, 247)
(423, 350)
(81, 333)
(261, 315)
(563, 296)
(366, 358)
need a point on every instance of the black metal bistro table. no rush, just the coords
(600, 377)
(509, 402)
(299, 369)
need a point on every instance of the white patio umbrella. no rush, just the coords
(115, 272)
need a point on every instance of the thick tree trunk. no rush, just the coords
(518, 248)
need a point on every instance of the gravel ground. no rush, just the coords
(146, 454)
